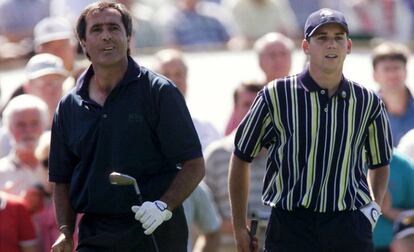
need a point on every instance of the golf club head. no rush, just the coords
(117, 178)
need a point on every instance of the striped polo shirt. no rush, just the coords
(318, 145)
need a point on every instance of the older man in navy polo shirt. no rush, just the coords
(121, 117)
(319, 127)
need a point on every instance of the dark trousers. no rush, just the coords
(125, 234)
(306, 231)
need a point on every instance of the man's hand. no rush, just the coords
(245, 242)
(62, 244)
(372, 211)
(151, 215)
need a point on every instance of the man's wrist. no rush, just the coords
(161, 205)
(375, 211)
(239, 224)
(66, 230)
(167, 202)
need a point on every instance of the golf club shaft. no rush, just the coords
(117, 178)
(140, 201)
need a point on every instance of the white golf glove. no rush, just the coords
(372, 211)
(151, 215)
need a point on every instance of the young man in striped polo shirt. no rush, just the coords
(321, 131)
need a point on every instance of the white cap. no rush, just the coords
(44, 64)
(404, 225)
(52, 28)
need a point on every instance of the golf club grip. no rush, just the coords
(253, 227)
(155, 243)
(140, 200)
(252, 232)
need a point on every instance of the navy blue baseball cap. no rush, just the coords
(322, 17)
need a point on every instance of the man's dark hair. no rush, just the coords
(250, 86)
(100, 6)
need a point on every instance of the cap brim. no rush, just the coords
(404, 233)
(53, 37)
(331, 22)
(46, 71)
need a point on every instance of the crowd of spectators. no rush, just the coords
(201, 24)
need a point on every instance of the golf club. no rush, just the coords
(120, 179)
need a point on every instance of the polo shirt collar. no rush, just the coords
(132, 73)
(310, 85)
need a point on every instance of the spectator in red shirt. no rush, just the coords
(17, 233)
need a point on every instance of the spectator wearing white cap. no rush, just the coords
(55, 35)
(404, 233)
(45, 75)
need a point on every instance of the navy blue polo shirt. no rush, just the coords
(144, 129)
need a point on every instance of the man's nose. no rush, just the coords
(331, 43)
(106, 35)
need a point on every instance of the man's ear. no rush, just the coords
(82, 43)
(305, 46)
(349, 46)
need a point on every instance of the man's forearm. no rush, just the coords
(191, 173)
(378, 181)
(239, 190)
(65, 216)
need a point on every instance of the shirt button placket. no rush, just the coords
(323, 92)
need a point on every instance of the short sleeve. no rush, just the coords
(176, 132)
(255, 130)
(379, 141)
(61, 160)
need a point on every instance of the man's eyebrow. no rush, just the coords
(102, 24)
(112, 24)
(324, 33)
